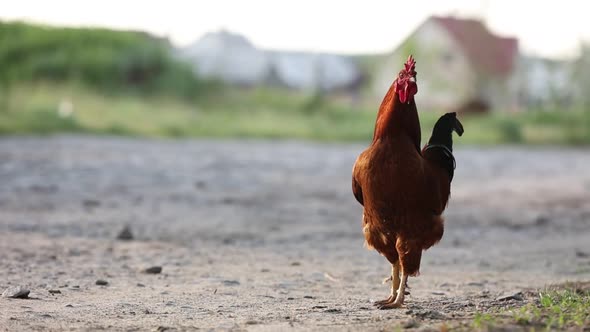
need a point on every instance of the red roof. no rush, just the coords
(486, 51)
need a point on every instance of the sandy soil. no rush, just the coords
(265, 236)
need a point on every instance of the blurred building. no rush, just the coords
(303, 71)
(234, 60)
(461, 66)
(228, 57)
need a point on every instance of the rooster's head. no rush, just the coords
(405, 83)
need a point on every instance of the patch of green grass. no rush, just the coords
(260, 113)
(482, 320)
(38, 120)
(557, 309)
(255, 113)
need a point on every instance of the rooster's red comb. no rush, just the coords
(410, 65)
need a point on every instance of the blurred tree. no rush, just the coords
(109, 60)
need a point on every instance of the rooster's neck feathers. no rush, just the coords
(395, 118)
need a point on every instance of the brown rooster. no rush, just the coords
(403, 189)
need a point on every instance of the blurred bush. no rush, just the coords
(112, 61)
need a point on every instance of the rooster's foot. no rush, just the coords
(391, 305)
(388, 300)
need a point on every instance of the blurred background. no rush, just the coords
(518, 73)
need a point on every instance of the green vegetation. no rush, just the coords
(561, 307)
(255, 113)
(259, 113)
(557, 309)
(107, 60)
(482, 320)
(530, 127)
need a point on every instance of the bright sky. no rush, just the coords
(548, 28)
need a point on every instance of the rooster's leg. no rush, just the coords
(396, 280)
(394, 285)
(399, 300)
(394, 277)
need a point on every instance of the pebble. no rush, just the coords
(153, 270)
(54, 291)
(16, 292)
(231, 282)
(90, 203)
(409, 324)
(510, 296)
(431, 314)
(101, 282)
(542, 220)
(125, 234)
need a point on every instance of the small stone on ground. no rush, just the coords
(16, 292)
(153, 270)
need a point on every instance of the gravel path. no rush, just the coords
(259, 235)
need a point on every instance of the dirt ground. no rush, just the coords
(266, 236)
